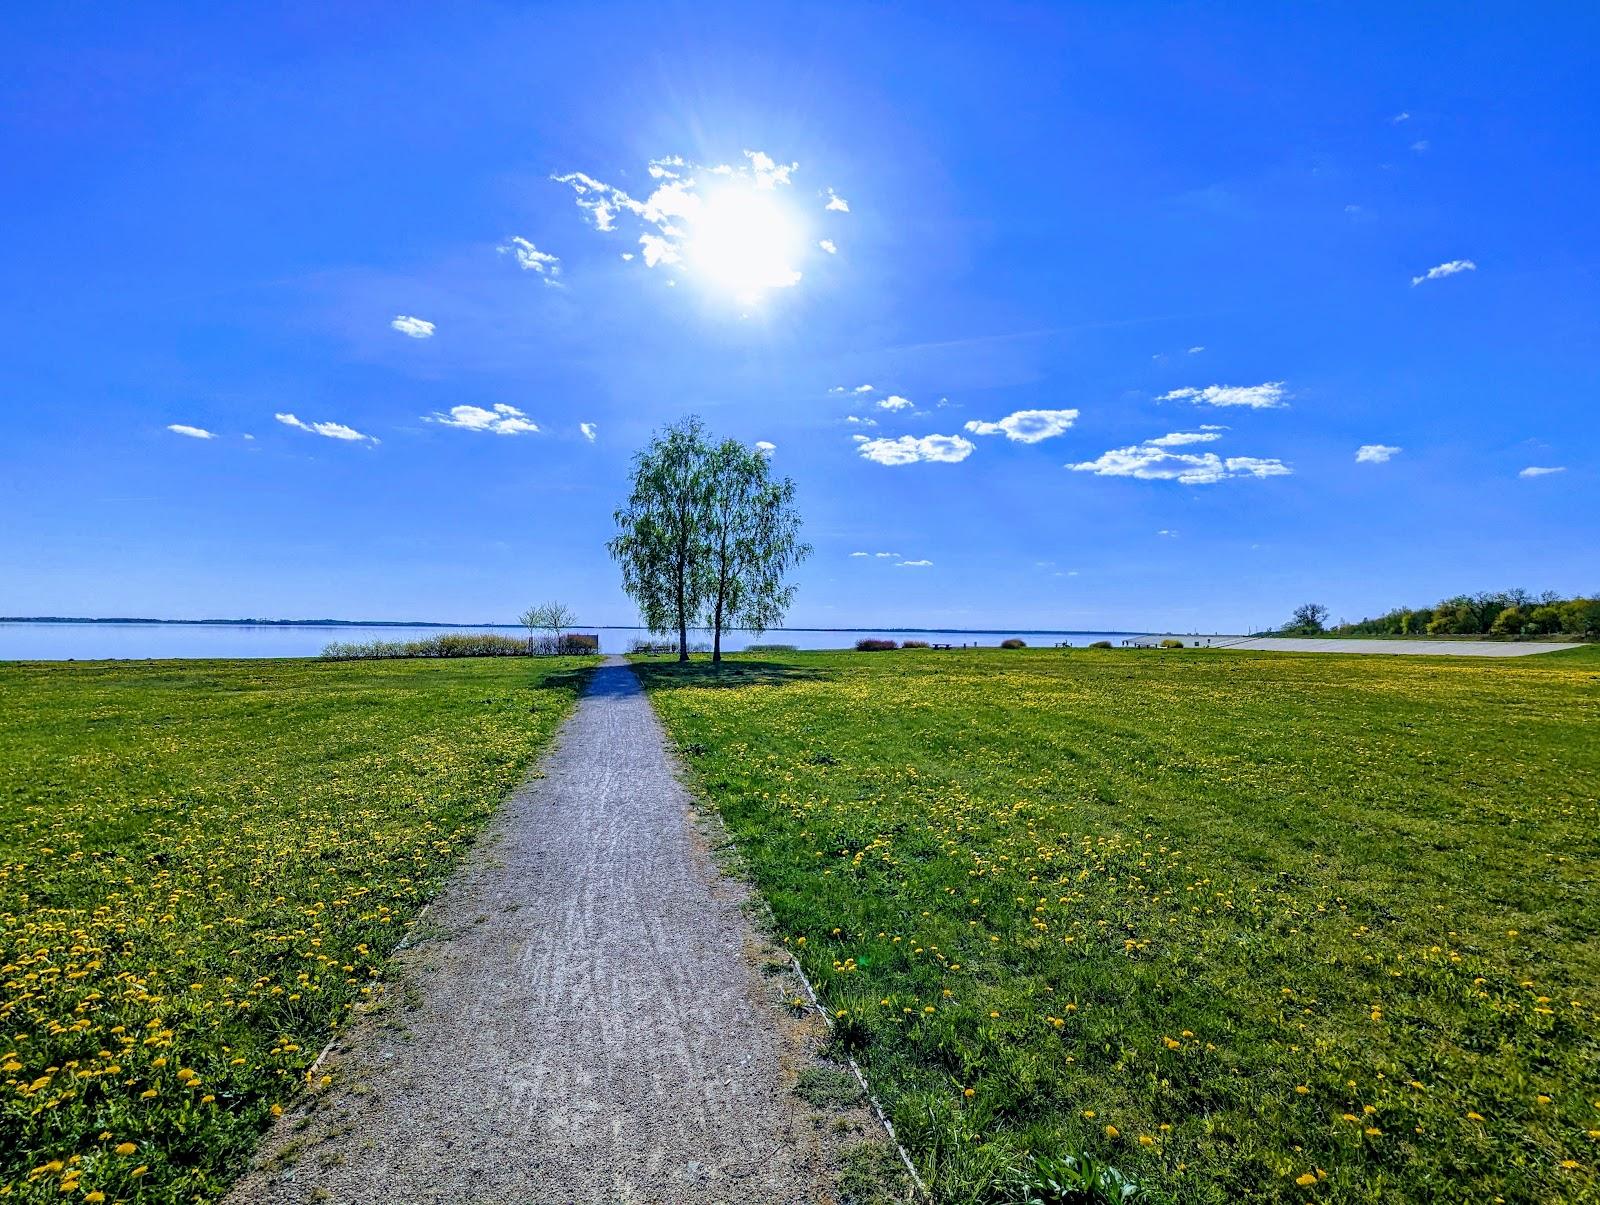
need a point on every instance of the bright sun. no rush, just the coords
(745, 242)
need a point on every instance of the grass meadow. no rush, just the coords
(1246, 926)
(205, 867)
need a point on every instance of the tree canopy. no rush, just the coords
(706, 536)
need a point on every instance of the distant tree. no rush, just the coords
(1545, 619)
(1308, 617)
(752, 540)
(1509, 622)
(552, 617)
(661, 530)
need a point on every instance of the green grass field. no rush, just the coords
(205, 867)
(1247, 926)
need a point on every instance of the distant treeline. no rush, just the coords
(462, 644)
(1497, 613)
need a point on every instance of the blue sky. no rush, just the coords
(1142, 221)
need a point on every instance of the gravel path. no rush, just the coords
(583, 1018)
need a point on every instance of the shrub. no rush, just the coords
(1101, 644)
(1013, 643)
(771, 648)
(870, 645)
(913, 644)
(1170, 643)
(447, 644)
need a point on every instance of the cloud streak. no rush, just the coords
(1440, 271)
(531, 259)
(191, 432)
(1377, 453)
(1540, 470)
(415, 328)
(1268, 395)
(328, 430)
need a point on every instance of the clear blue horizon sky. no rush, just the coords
(1172, 317)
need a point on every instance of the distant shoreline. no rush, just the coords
(602, 627)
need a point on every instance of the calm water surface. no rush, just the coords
(139, 641)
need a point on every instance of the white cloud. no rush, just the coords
(1179, 438)
(1539, 470)
(914, 564)
(829, 246)
(1028, 426)
(862, 422)
(502, 420)
(328, 430)
(1399, 117)
(1376, 453)
(837, 203)
(589, 430)
(1171, 535)
(909, 449)
(1420, 145)
(191, 432)
(417, 328)
(1265, 396)
(722, 224)
(766, 448)
(1197, 349)
(863, 389)
(1449, 268)
(1150, 461)
(895, 402)
(860, 554)
(532, 259)
(885, 555)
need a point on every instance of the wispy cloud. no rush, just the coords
(1179, 438)
(1266, 396)
(1399, 117)
(1028, 426)
(911, 449)
(1196, 350)
(589, 431)
(860, 554)
(1168, 533)
(191, 432)
(857, 420)
(1541, 470)
(895, 402)
(913, 564)
(502, 420)
(532, 259)
(1449, 268)
(765, 447)
(886, 555)
(328, 430)
(1376, 453)
(416, 328)
(837, 203)
(829, 246)
(1150, 461)
(1420, 146)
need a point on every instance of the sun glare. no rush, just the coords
(745, 242)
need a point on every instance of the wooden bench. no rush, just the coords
(941, 646)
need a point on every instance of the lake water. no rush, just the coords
(141, 641)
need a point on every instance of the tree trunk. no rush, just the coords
(716, 637)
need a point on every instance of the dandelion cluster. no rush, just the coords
(1252, 927)
(205, 869)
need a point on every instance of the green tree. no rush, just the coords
(1509, 622)
(661, 530)
(752, 538)
(1308, 618)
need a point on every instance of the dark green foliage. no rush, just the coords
(1508, 613)
(868, 644)
(1013, 643)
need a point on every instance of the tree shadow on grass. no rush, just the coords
(671, 675)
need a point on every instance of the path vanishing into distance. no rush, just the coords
(581, 1016)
